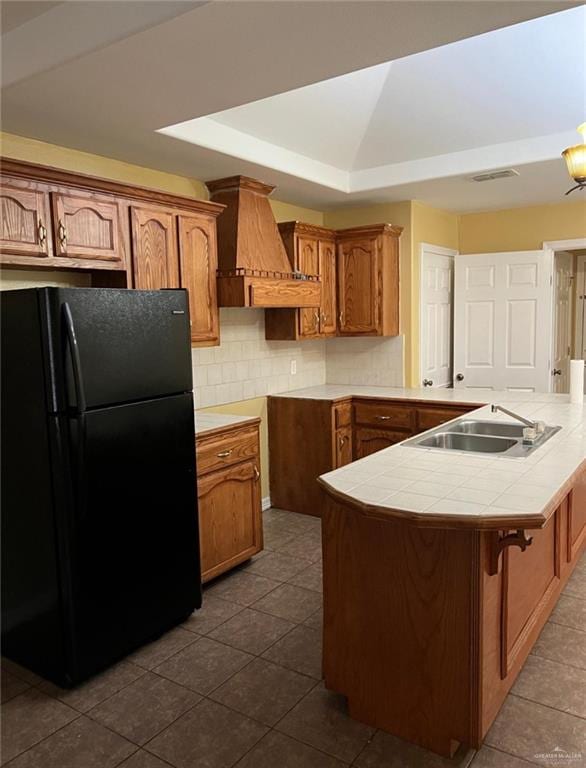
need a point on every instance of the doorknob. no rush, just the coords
(427, 383)
(460, 377)
(556, 372)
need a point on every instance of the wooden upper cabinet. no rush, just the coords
(308, 263)
(25, 221)
(198, 263)
(327, 271)
(368, 280)
(154, 248)
(358, 287)
(311, 250)
(87, 226)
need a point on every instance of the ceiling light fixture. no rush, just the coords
(575, 158)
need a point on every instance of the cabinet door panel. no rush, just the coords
(577, 518)
(154, 252)
(24, 227)
(308, 263)
(343, 438)
(358, 295)
(369, 441)
(87, 227)
(327, 269)
(198, 261)
(229, 518)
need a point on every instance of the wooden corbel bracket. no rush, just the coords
(500, 543)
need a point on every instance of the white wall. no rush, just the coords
(369, 361)
(246, 365)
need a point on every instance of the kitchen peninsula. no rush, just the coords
(441, 567)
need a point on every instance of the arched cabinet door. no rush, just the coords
(25, 226)
(230, 525)
(358, 299)
(198, 264)
(88, 226)
(154, 248)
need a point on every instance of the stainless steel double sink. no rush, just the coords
(504, 438)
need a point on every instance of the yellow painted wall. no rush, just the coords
(522, 229)
(30, 150)
(399, 214)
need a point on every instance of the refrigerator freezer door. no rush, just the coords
(134, 548)
(132, 345)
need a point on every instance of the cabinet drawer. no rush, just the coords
(223, 451)
(385, 415)
(342, 415)
(427, 418)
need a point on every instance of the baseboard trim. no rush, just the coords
(266, 503)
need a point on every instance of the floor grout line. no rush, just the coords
(268, 729)
(547, 706)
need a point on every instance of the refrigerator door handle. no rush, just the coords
(81, 406)
(75, 359)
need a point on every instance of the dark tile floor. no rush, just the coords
(239, 685)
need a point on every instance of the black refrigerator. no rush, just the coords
(100, 542)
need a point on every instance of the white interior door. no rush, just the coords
(502, 321)
(436, 302)
(562, 327)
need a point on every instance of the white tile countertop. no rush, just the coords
(456, 488)
(341, 391)
(208, 422)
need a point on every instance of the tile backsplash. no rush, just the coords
(246, 365)
(374, 361)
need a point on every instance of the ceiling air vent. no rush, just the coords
(492, 175)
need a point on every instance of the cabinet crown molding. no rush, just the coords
(231, 183)
(46, 173)
(302, 228)
(370, 230)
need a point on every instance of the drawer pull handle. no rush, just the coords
(342, 441)
(256, 474)
(224, 454)
(383, 418)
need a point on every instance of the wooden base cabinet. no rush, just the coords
(308, 438)
(229, 498)
(474, 608)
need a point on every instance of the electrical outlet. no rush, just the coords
(293, 367)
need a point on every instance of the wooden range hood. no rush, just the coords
(253, 267)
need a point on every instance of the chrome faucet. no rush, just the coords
(522, 419)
